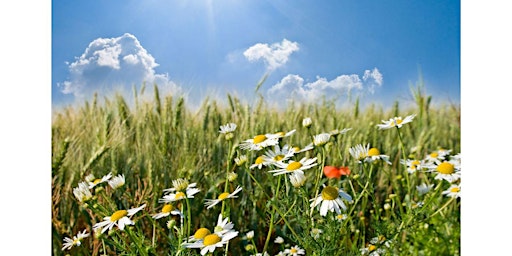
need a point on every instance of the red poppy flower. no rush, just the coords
(333, 172)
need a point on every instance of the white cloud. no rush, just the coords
(114, 65)
(292, 87)
(274, 56)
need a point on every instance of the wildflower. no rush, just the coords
(259, 162)
(200, 234)
(424, 188)
(452, 191)
(295, 250)
(367, 154)
(297, 150)
(259, 142)
(227, 128)
(281, 253)
(395, 122)
(281, 134)
(279, 240)
(278, 154)
(181, 185)
(413, 165)
(77, 240)
(321, 139)
(341, 217)
(250, 234)
(241, 160)
(223, 226)
(377, 246)
(167, 210)
(117, 181)
(306, 122)
(211, 241)
(293, 166)
(315, 233)
(232, 176)
(437, 156)
(82, 192)
(330, 198)
(297, 179)
(333, 172)
(447, 170)
(96, 182)
(337, 132)
(374, 155)
(118, 218)
(189, 193)
(212, 202)
(89, 177)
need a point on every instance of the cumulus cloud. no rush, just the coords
(114, 64)
(274, 56)
(292, 87)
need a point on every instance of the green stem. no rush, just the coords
(188, 218)
(276, 193)
(317, 185)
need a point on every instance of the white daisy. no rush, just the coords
(212, 241)
(167, 210)
(374, 155)
(227, 128)
(438, 156)
(77, 240)
(365, 153)
(280, 135)
(182, 185)
(376, 247)
(395, 122)
(241, 160)
(330, 198)
(424, 188)
(82, 192)
(341, 217)
(337, 132)
(321, 139)
(315, 233)
(295, 250)
(259, 162)
(212, 202)
(279, 240)
(306, 122)
(278, 154)
(452, 191)
(293, 166)
(297, 179)
(259, 142)
(199, 235)
(250, 235)
(179, 195)
(413, 165)
(447, 170)
(117, 181)
(306, 148)
(96, 182)
(223, 226)
(118, 218)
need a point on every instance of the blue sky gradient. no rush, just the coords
(199, 46)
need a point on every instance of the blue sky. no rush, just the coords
(370, 49)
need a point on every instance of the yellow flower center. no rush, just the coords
(455, 190)
(211, 239)
(434, 154)
(278, 157)
(372, 248)
(167, 208)
(96, 181)
(296, 149)
(179, 195)
(280, 134)
(223, 196)
(446, 168)
(398, 121)
(259, 160)
(330, 193)
(293, 166)
(201, 233)
(293, 250)
(373, 152)
(118, 215)
(259, 138)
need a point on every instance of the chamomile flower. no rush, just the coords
(293, 166)
(182, 185)
(259, 142)
(200, 234)
(212, 202)
(315, 233)
(259, 162)
(341, 217)
(306, 122)
(250, 234)
(227, 128)
(437, 156)
(330, 200)
(212, 241)
(241, 160)
(172, 197)
(395, 122)
(278, 154)
(377, 246)
(223, 226)
(82, 192)
(424, 188)
(447, 170)
(76, 241)
(297, 179)
(295, 250)
(452, 191)
(297, 150)
(375, 155)
(96, 182)
(119, 218)
(321, 139)
(279, 240)
(280, 135)
(117, 181)
(365, 153)
(167, 210)
(337, 132)
(413, 165)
